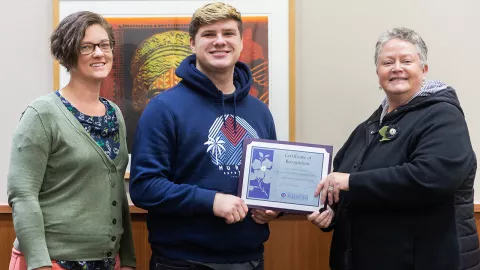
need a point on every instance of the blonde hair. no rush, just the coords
(212, 13)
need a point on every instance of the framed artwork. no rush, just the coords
(152, 39)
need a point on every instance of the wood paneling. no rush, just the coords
(7, 236)
(140, 240)
(136, 210)
(5, 209)
(477, 220)
(294, 243)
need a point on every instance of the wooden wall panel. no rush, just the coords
(140, 241)
(7, 236)
(477, 220)
(294, 243)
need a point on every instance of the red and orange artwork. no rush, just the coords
(148, 50)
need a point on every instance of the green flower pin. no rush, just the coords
(388, 133)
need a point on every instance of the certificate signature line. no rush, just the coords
(298, 179)
(302, 174)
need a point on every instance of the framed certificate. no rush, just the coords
(283, 175)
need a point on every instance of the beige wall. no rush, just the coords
(336, 81)
(337, 86)
(25, 67)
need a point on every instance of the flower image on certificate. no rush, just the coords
(260, 175)
(283, 175)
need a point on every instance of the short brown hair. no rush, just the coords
(212, 13)
(66, 39)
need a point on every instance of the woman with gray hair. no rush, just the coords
(68, 161)
(401, 193)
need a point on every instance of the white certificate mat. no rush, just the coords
(283, 175)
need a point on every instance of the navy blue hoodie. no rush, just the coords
(188, 147)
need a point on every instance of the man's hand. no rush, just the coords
(264, 216)
(231, 208)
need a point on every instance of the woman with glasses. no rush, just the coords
(68, 160)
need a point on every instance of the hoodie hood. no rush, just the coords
(437, 91)
(430, 93)
(196, 81)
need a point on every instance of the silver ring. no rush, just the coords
(330, 188)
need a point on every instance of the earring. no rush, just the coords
(380, 88)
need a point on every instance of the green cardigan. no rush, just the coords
(67, 196)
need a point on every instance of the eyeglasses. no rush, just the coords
(88, 48)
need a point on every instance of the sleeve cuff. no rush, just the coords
(129, 263)
(203, 200)
(352, 184)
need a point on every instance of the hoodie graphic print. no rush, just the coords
(225, 142)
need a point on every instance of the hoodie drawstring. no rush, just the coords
(223, 110)
(235, 113)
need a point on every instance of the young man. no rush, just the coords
(187, 155)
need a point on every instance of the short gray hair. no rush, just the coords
(403, 34)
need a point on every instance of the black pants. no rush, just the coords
(162, 263)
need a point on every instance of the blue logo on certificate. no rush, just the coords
(293, 196)
(260, 174)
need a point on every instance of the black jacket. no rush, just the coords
(410, 204)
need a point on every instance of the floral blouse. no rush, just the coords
(102, 129)
(106, 264)
(105, 131)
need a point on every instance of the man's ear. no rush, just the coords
(192, 45)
